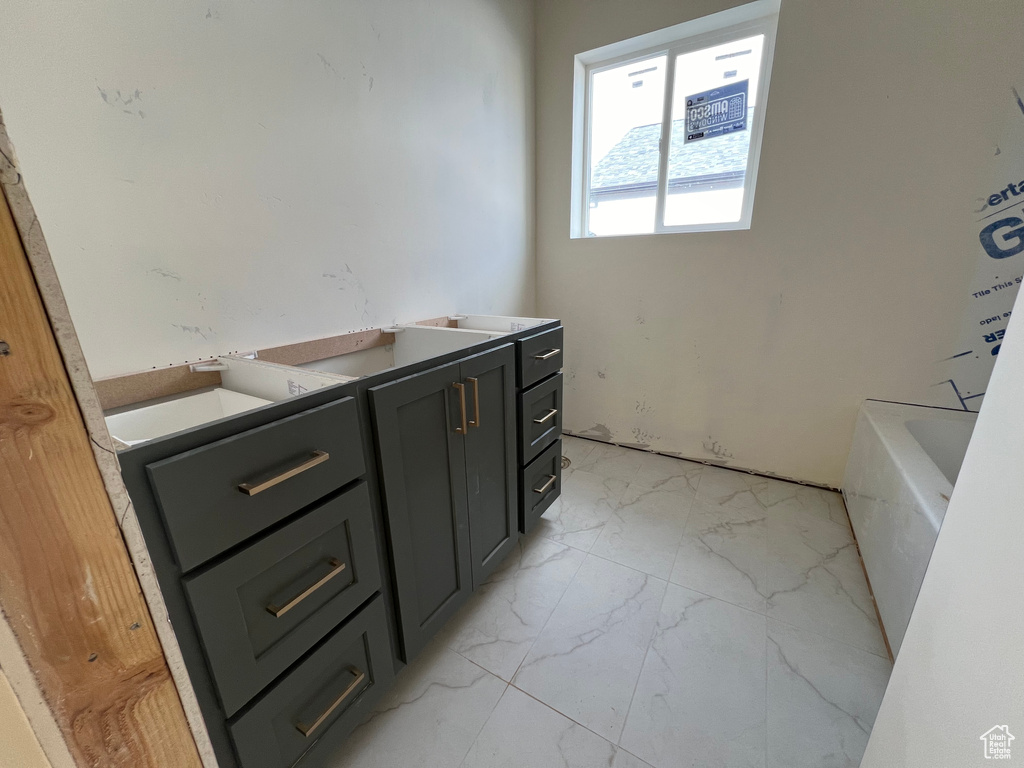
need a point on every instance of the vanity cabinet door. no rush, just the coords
(423, 473)
(489, 379)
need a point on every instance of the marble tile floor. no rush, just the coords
(664, 613)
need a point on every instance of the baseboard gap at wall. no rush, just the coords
(707, 463)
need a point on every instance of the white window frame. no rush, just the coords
(760, 17)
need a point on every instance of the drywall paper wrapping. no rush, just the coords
(997, 215)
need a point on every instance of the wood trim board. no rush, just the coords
(69, 590)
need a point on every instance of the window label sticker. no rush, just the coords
(717, 112)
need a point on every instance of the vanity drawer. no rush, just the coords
(327, 695)
(540, 418)
(214, 497)
(261, 609)
(539, 357)
(541, 484)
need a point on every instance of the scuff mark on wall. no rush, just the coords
(194, 330)
(119, 100)
(601, 375)
(367, 76)
(643, 437)
(348, 281)
(166, 273)
(328, 67)
(600, 431)
(717, 449)
(642, 406)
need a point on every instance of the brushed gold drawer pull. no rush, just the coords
(547, 355)
(475, 421)
(357, 678)
(546, 416)
(251, 489)
(548, 484)
(336, 567)
(461, 388)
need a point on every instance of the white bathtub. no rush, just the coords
(902, 468)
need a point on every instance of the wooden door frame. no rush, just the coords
(68, 588)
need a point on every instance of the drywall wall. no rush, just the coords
(18, 745)
(959, 671)
(224, 175)
(755, 348)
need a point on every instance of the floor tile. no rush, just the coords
(668, 474)
(577, 517)
(731, 488)
(496, 628)
(764, 650)
(725, 556)
(700, 700)
(576, 449)
(587, 659)
(524, 733)
(822, 699)
(429, 719)
(726, 488)
(777, 495)
(613, 462)
(644, 532)
(816, 581)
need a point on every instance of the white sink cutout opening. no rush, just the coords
(153, 421)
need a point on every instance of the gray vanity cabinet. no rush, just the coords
(305, 548)
(446, 444)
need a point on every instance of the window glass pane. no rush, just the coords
(626, 103)
(708, 152)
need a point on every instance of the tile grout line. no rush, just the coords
(577, 722)
(534, 642)
(552, 613)
(647, 651)
(766, 692)
(547, 621)
(462, 760)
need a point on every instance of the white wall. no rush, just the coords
(224, 175)
(18, 745)
(960, 670)
(756, 347)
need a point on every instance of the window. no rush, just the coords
(667, 126)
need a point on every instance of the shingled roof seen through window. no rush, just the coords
(633, 162)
